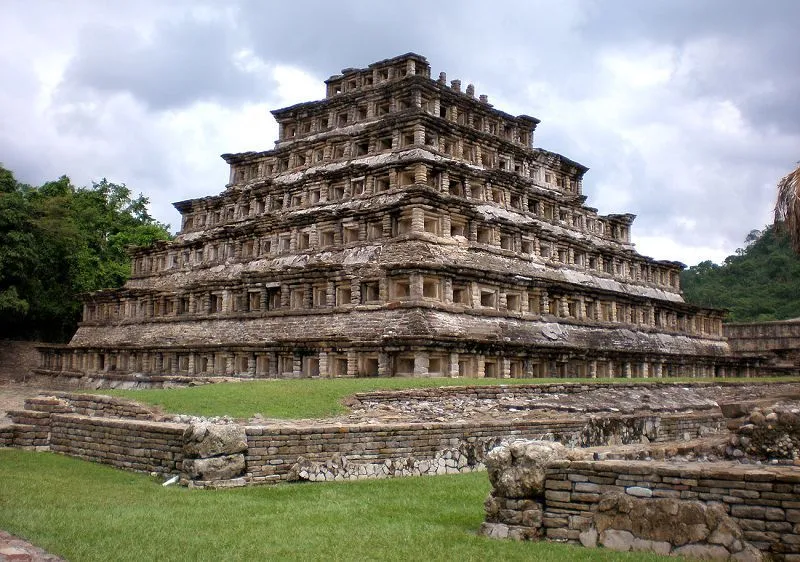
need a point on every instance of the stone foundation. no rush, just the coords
(701, 510)
(127, 435)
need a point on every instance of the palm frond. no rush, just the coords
(787, 206)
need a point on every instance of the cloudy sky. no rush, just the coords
(686, 111)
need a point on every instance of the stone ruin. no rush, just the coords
(741, 503)
(701, 469)
(776, 344)
(400, 227)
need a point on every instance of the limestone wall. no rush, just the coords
(763, 337)
(142, 446)
(273, 452)
(494, 392)
(703, 510)
(83, 426)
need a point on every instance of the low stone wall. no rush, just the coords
(142, 446)
(69, 380)
(495, 392)
(408, 449)
(105, 406)
(704, 510)
(127, 435)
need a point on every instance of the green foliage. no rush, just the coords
(57, 241)
(320, 397)
(760, 283)
(83, 511)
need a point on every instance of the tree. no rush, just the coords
(58, 241)
(760, 282)
(787, 206)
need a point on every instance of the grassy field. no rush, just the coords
(317, 398)
(84, 511)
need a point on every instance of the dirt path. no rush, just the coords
(14, 548)
(12, 397)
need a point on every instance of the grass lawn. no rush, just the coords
(85, 511)
(318, 398)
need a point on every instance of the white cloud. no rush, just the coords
(663, 105)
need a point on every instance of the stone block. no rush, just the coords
(494, 530)
(639, 492)
(748, 511)
(614, 539)
(702, 552)
(518, 469)
(204, 440)
(588, 538)
(556, 495)
(225, 467)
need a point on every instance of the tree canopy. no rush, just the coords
(58, 241)
(761, 282)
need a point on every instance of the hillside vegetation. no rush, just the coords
(57, 241)
(761, 282)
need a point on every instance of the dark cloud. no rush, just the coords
(180, 62)
(754, 51)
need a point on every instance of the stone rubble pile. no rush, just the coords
(524, 402)
(769, 433)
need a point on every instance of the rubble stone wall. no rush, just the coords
(121, 433)
(769, 432)
(718, 510)
(495, 392)
(273, 453)
(104, 406)
(763, 502)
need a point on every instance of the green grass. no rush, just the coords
(85, 511)
(318, 398)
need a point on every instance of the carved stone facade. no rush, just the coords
(777, 342)
(400, 227)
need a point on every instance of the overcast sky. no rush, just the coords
(685, 111)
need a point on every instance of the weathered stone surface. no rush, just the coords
(204, 440)
(748, 554)
(224, 467)
(667, 520)
(517, 469)
(615, 539)
(769, 433)
(702, 552)
(494, 530)
(639, 492)
(589, 537)
(354, 204)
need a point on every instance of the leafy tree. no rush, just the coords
(58, 241)
(760, 282)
